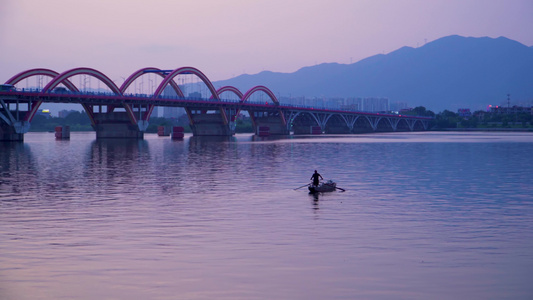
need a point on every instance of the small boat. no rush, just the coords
(328, 186)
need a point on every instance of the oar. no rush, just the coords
(340, 189)
(301, 186)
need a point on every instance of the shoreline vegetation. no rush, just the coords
(443, 121)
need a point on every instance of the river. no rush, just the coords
(426, 215)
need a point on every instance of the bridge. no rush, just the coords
(119, 114)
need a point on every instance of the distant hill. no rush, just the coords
(448, 73)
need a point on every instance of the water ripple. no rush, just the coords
(424, 216)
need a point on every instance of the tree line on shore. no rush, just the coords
(478, 119)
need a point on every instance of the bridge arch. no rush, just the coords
(403, 125)
(143, 71)
(42, 72)
(186, 70)
(82, 71)
(350, 120)
(232, 89)
(305, 116)
(39, 72)
(363, 124)
(257, 89)
(419, 125)
(337, 123)
(384, 124)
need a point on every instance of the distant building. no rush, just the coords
(352, 104)
(335, 103)
(372, 104)
(397, 106)
(316, 102)
(297, 101)
(375, 104)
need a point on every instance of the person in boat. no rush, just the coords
(315, 177)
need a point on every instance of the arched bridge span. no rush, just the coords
(213, 116)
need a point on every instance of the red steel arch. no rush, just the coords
(44, 72)
(269, 93)
(229, 89)
(82, 71)
(36, 72)
(186, 70)
(140, 72)
(260, 88)
(63, 78)
(234, 90)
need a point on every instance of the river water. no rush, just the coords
(424, 216)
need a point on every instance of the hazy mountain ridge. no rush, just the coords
(448, 73)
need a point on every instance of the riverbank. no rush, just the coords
(485, 129)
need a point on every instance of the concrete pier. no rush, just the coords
(177, 133)
(62, 132)
(8, 134)
(116, 125)
(209, 124)
(273, 123)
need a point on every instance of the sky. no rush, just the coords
(228, 38)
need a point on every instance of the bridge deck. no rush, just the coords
(142, 99)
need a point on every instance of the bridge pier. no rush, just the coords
(116, 125)
(8, 134)
(273, 123)
(12, 123)
(204, 122)
(111, 131)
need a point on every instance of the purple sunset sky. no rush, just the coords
(227, 38)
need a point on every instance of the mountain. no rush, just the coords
(449, 73)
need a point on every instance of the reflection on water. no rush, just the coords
(16, 167)
(112, 163)
(256, 138)
(424, 216)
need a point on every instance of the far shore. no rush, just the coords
(484, 129)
